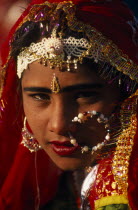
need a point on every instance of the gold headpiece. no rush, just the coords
(62, 51)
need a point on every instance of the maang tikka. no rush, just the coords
(28, 139)
(55, 86)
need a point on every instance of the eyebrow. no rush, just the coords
(65, 89)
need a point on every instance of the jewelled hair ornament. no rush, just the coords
(28, 140)
(83, 117)
(64, 51)
(54, 50)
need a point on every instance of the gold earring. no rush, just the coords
(28, 139)
(55, 86)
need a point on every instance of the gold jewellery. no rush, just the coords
(55, 86)
(28, 139)
(66, 52)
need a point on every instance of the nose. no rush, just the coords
(60, 121)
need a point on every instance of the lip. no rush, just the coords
(64, 148)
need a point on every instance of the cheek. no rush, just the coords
(36, 119)
(38, 125)
(104, 107)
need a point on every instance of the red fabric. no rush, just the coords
(19, 190)
(17, 171)
(133, 176)
(98, 188)
(112, 19)
(17, 180)
(106, 176)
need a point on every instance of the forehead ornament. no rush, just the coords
(53, 47)
(55, 86)
(66, 53)
(59, 52)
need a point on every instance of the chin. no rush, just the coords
(70, 164)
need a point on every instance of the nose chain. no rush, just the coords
(82, 118)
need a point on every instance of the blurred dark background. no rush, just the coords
(133, 4)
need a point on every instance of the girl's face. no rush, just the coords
(50, 114)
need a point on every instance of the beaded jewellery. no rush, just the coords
(64, 51)
(83, 117)
(61, 50)
(28, 139)
(53, 49)
(30, 142)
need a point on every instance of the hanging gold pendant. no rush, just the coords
(55, 86)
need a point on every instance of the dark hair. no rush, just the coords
(24, 37)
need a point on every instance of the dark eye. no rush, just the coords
(87, 97)
(86, 94)
(40, 97)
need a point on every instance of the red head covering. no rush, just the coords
(112, 18)
(116, 22)
(121, 29)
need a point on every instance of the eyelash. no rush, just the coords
(80, 97)
(40, 96)
(87, 94)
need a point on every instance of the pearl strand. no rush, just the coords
(73, 140)
(81, 118)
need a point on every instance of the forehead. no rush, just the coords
(40, 75)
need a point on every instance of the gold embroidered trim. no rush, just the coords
(125, 143)
(2, 78)
(111, 53)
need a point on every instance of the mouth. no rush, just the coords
(64, 148)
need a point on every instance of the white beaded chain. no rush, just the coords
(53, 49)
(72, 140)
(81, 118)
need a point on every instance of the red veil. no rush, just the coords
(21, 172)
(18, 183)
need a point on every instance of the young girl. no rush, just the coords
(69, 80)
